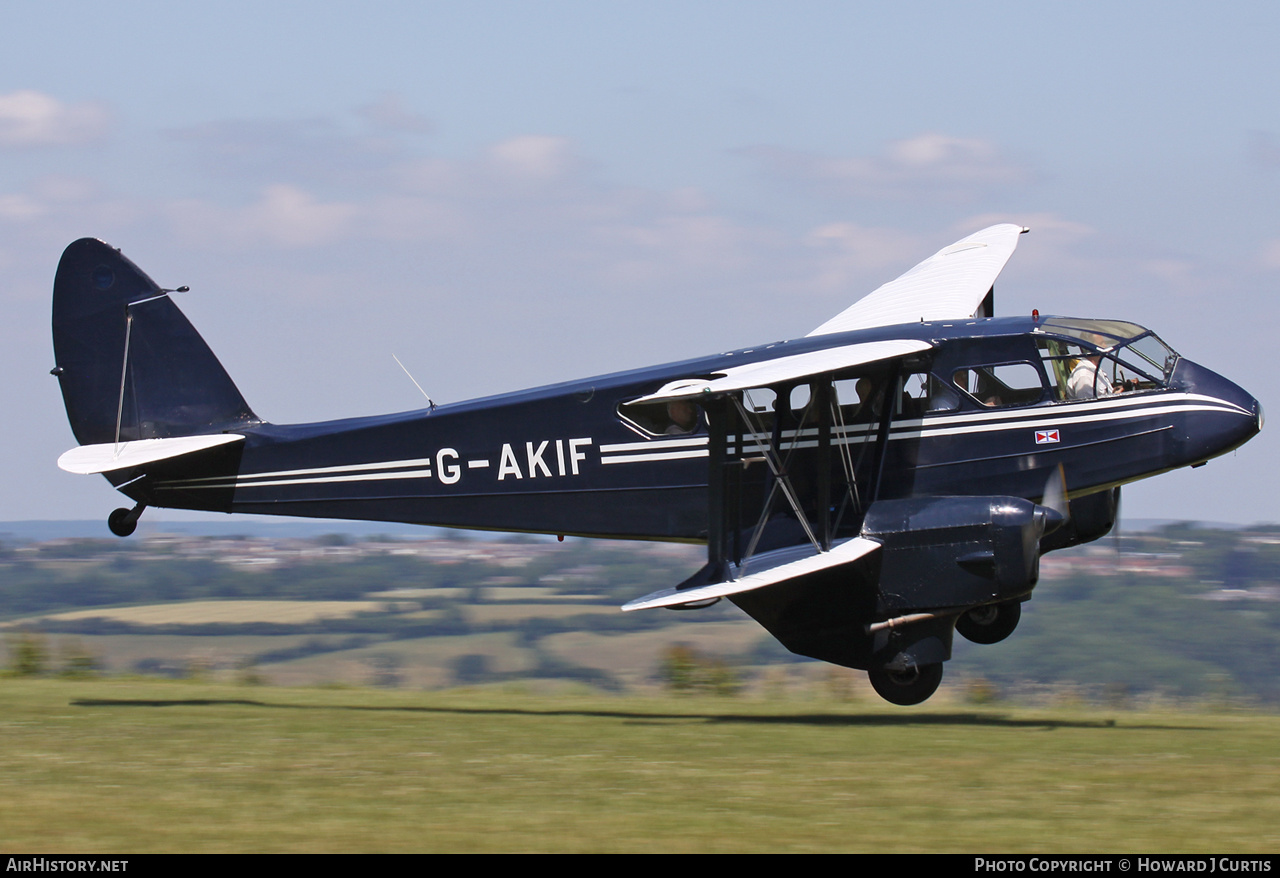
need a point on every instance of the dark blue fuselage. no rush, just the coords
(563, 459)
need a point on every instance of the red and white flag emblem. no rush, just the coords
(1046, 437)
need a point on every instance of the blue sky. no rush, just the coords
(504, 194)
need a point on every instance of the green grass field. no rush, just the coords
(118, 766)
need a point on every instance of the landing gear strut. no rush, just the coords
(125, 521)
(908, 686)
(989, 624)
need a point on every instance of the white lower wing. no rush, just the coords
(842, 553)
(949, 285)
(789, 368)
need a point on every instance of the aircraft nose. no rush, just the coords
(1256, 427)
(1228, 415)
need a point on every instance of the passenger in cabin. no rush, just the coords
(870, 399)
(684, 417)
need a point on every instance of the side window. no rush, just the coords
(860, 399)
(1161, 357)
(801, 395)
(923, 393)
(761, 405)
(1008, 384)
(677, 418)
(1133, 372)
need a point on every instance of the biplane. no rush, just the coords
(863, 492)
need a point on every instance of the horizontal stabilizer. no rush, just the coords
(110, 456)
(790, 368)
(949, 285)
(811, 562)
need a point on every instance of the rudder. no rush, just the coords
(130, 364)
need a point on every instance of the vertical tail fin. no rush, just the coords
(130, 364)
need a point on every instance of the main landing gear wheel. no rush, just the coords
(989, 624)
(910, 686)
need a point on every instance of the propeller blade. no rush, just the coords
(1115, 527)
(1055, 493)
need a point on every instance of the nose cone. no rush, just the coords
(1224, 416)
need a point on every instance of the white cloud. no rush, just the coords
(850, 255)
(533, 156)
(31, 118)
(1173, 272)
(932, 165)
(18, 207)
(284, 215)
(1269, 254)
(389, 113)
(1042, 225)
(296, 219)
(654, 248)
(314, 151)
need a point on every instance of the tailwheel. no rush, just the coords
(908, 686)
(123, 522)
(991, 623)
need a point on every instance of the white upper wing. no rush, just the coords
(949, 285)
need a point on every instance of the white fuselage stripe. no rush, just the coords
(650, 446)
(422, 462)
(661, 455)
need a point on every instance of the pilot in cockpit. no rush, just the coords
(1088, 380)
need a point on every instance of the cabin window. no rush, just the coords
(761, 405)
(1006, 384)
(800, 396)
(1128, 372)
(675, 418)
(923, 394)
(1160, 358)
(859, 398)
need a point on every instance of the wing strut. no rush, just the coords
(821, 403)
(786, 481)
(850, 497)
(796, 505)
(124, 372)
(781, 478)
(892, 392)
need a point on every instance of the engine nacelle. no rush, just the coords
(1092, 518)
(942, 552)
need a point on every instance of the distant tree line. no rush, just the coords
(1120, 624)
